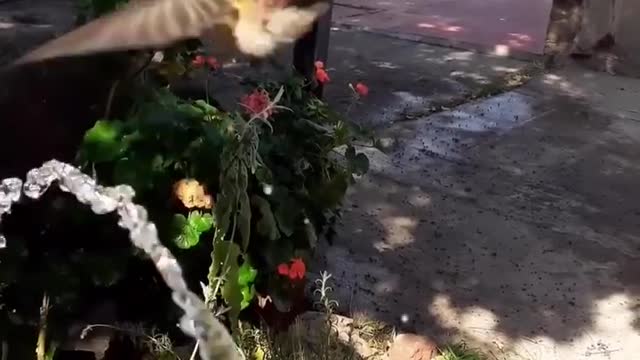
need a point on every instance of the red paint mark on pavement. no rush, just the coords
(512, 24)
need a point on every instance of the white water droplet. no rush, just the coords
(404, 318)
(3, 242)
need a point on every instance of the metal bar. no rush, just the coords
(313, 46)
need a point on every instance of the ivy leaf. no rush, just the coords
(266, 226)
(200, 222)
(350, 154)
(358, 163)
(186, 236)
(246, 274)
(361, 164)
(103, 142)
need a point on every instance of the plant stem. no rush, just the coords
(112, 90)
(4, 350)
(131, 333)
(42, 332)
(112, 93)
(195, 351)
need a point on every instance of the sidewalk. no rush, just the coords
(500, 26)
(409, 79)
(509, 222)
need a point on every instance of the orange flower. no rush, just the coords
(321, 74)
(362, 89)
(297, 269)
(257, 104)
(192, 194)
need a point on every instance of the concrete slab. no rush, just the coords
(496, 25)
(407, 78)
(511, 223)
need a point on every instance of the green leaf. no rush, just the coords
(263, 174)
(206, 109)
(103, 142)
(231, 290)
(223, 211)
(279, 297)
(287, 212)
(340, 134)
(330, 194)
(200, 222)
(248, 293)
(350, 154)
(186, 236)
(246, 274)
(135, 172)
(244, 219)
(361, 164)
(266, 226)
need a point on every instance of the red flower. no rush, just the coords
(257, 104)
(213, 63)
(198, 61)
(321, 74)
(283, 269)
(297, 269)
(362, 89)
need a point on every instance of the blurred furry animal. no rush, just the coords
(249, 27)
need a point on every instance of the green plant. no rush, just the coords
(460, 352)
(297, 343)
(264, 183)
(234, 193)
(156, 343)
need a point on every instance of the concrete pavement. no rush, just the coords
(510, 222)
(515, 26)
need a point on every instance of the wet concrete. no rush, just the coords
(510, 222)
(406, 78)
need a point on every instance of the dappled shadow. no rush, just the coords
(406, 78)
(493, 26)
(513, 223)
(508, 225)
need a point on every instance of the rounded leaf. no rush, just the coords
(246, 274)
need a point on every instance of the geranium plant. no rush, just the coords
(263, 182)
